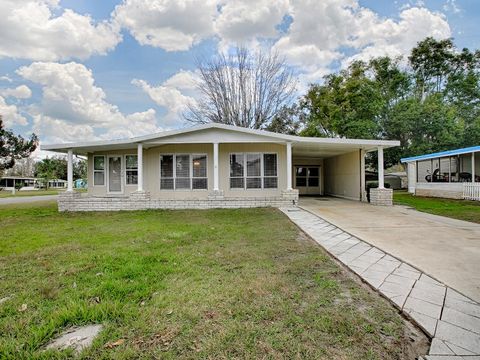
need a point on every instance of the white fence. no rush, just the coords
(471, 191)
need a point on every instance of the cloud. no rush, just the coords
(20, 92)
(331, 31)
(10, 114)
(169, 94)
(31, 30)
(173, 25)
(245, 20)
(73, 108)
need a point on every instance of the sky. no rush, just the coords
(74, 70)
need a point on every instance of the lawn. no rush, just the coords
(456, 209)
(211, 284)
(8, 193)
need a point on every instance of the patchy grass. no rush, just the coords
(212, 284)
(8, 193)
(456, 209)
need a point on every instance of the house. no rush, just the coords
(216, 165)
(447, 174)
(9, 182)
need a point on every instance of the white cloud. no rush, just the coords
(169, 96)
(20, 92)
(173, 25)
(10, 114)
(245, 20)
(5, 78)
(31, 30)
(452, 6)
(342, 30)
(74, 108)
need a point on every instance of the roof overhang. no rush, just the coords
(210, 133)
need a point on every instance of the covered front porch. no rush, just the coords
(450, 174)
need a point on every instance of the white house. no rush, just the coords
(217, 165)
(449, 174)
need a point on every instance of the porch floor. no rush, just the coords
(444, 248)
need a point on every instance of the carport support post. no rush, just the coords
(70, 170)
(140, 167)
(381, 184)
(289, 166)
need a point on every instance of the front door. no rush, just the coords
(115, 174)
(307, 180)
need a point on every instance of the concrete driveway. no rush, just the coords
(446, 249)
(26, 199)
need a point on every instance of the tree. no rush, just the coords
(14, 147)
(242, 88)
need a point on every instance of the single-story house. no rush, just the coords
(9, 182)
(447, 174)
(216, 165)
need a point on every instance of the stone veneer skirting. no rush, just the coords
(381, 197)
(142, 201)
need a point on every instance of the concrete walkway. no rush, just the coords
(26, 199)
(451, 319)
(446, 249)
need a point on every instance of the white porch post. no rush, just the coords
(381, 184)
(215, 167)
(473, 167)
(289, 166)
(140, 167)
(70, 170)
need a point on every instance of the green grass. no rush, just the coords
(8, 193)
(211, 284)
(456, 209)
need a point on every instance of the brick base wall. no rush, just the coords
(142, 201)
(383, 197)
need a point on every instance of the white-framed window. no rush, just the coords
(183, 172)
(131, 169)
(253, 171)
(99, 170)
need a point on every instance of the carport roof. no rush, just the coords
(467, 150)
(213, 132)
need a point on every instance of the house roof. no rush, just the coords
(214, 132)
(467, 150)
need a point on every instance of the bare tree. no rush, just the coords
(243, 88)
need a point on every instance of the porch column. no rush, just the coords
(473, 167)
(289, 166)
(215, 167)
(70, 170)
(140, 167)
(381, 184)
(363, 193)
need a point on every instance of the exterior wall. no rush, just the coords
(151, 169)
(342, 175)
(443, 190)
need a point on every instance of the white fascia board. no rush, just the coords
(277, 138)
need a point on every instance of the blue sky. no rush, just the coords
(89, 69)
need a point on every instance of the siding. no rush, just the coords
(342, 175)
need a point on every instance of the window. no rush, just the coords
(131, 169)
(253, 171)
(99, 170)
(183, 172)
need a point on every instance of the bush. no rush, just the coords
(19, 185)
(374, 185)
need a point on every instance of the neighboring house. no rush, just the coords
(57, 184)
(9, 182)
(217, 165)
(449, 174)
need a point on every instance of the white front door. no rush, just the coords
(115, 174)
(307, 180)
